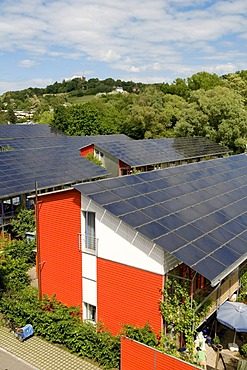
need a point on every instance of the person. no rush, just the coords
(201, 358)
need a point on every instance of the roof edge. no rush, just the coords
(230, 269)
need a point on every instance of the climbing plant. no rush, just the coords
(243, 280)
(179, 311)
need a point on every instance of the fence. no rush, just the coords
(135, 355)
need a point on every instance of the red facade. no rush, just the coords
(127, 295)
(60, 259)
(88, 149)
(135, 355)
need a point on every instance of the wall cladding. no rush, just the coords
(127, 295)
(135, 355)
(61, 261)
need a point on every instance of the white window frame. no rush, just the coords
(89, 312)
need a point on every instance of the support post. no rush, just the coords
(37, 240)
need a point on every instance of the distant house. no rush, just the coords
(126, 157)
(108, 246)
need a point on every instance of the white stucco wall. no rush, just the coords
(120, 243)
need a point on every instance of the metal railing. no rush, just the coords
(88, 243)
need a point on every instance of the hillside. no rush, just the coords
(202, 105)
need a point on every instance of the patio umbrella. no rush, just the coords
(233, 315)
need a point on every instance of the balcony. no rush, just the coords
(221, 293)
(88, 244)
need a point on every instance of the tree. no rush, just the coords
(24, 222)
(218, 114)
(11, 115)
(204, 80)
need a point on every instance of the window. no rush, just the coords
(89, 312)
(99, 155)
(90, 240)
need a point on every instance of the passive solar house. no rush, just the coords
(126, 157)
(34, 156)
(108, 246)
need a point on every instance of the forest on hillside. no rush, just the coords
(202, 105)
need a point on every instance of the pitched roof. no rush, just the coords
(25, 131)
(196, 212)
(154, 151)
(20, 169)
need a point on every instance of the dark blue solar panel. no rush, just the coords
(205, 224)
(238, 245)
(188, 232)
(126, 192)
(105, 197)
(218, 218)
(207, 244)
(190, 254)
(222, 235)
(225, 255)
(144, 152)
(144, 188)
(47, 167)
(140, 202)
(152, 230)
(175, 212)
(120, 208)
(170, 242)
(171, 222)
(156, 211)
(136, 218)
(209, 267)
(243, 235)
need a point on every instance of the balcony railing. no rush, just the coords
(220, 294)
(87, 243)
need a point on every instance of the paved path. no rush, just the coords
(42, 355)
(11, 362)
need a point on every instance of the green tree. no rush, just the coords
(24, 222)
(11, 115)
(218, 114)
(204, 80)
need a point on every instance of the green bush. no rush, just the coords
(60, 324)
(243, 350)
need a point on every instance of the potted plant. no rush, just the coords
(216, 343)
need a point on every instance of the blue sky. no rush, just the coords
(141, 40)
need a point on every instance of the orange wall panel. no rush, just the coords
(127, 295)
(87, 150)
(135, 355)
(61, 261)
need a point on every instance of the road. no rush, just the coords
(11, 362)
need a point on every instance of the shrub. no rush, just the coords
(60, 324)
(243, 350)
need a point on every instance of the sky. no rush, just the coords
(147, 41)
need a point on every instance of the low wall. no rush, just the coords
(135, 355)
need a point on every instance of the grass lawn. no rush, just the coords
(80, 99)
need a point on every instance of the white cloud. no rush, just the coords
(23, 84)
(135, 36)
(27, 63)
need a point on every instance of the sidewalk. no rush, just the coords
(41, 354)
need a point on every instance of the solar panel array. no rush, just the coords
(147, 152)
(24, 131)
(39, 153)
(196, 212)
(73, 142)
(49, 167)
